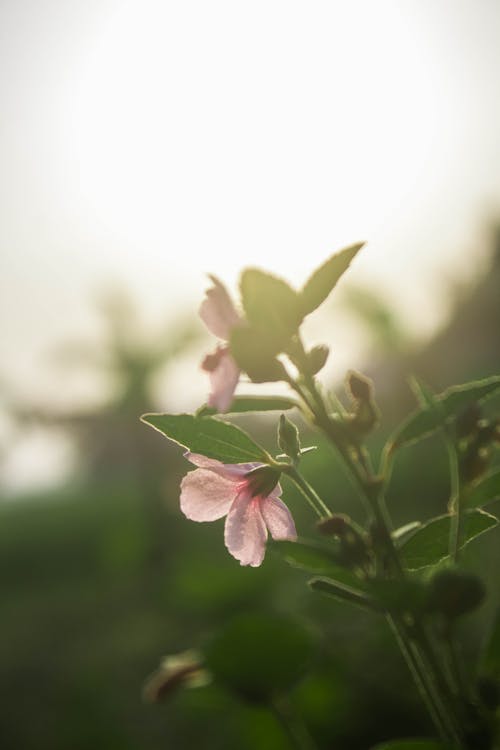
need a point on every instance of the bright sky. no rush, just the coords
(150, 142)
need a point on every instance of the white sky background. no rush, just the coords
(150, 142)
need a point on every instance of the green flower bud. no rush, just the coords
(454, 593)
(288, 438)
(317, 358)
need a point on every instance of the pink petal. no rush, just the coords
(223, 380)
(278, 518)
(233, 472)
(218, 312)
(245, 532)
(206, 496)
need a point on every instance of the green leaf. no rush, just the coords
(256, 355)
(271, 306)
(242, 404)
(429, 543)
(257, 655)
(447, 406)
(412, 745)
(343, 593)
(484, 491)
(209, 436)
(317, 559)
(323, 280)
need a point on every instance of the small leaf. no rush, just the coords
(271, 306)
(343, 593)
(412, 745)
(448, 405)
(209, 436)
(317, 559)
(484, 491)
(242, 404)
(257, 655)
(429, 544)
(323, 280)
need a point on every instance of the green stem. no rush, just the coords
(308, 492)
(454, 505)
(295, 729)
(418, 673)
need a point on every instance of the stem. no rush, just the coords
(293, 726)
(416, 668)
(309, 492)
(454, 505)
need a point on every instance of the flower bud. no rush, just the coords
(288, 438)
(317, 358)
(359, 386)
(179, 670)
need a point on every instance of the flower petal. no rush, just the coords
(205, 495)
(218, 312)
(233, 472)
(223, 380)
(278, 518)
(245, 532)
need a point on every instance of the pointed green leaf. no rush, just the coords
(323, 280)
(485, 491)
(271, 306)
(343, 593)
(412, 745)
(242, 404)
(447, 405)
(317, 559)
(430, 542)
(209, 436)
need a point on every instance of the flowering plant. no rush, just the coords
(414, 576)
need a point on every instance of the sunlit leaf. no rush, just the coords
(430, 542)
(242, 404)
(447, 406)
(209, 436)
(271, 306)
(323, 280)
(485, 491)
(255, 354)
(257, 655)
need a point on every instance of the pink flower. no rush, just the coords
(215, 490)
(220, 317)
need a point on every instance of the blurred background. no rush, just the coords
(143, 145)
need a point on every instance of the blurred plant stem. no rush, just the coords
(295, 729)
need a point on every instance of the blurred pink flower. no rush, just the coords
(220, 317)
(215, 490)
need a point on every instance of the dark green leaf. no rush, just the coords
(343, 593)
(486, 490)
(429, 543)
(242, 404)
(412, 745)
(271, 306)
(448, 405)
(316, 558)
(323, 280)
(256, 656)
(399, 596)
(209, 436)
